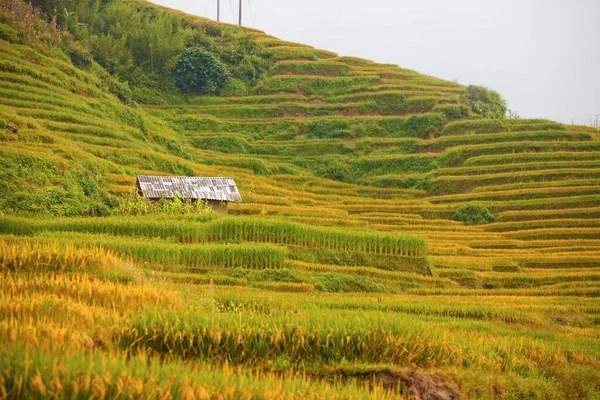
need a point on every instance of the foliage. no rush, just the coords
(486, 102)
(512, 114)
(140, 44)
(80, 192)
(595, 123)
(336, 170)
(79, 56)
(473, 214)
(474, 126)
(453, 112)
(198, 71)
(28, 19)
(133, 203)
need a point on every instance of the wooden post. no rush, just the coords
(240, 12)
(218, 10)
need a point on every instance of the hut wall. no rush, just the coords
(220, 207)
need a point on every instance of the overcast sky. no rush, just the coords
(543, 56)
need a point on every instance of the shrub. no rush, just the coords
(472, 214)
(235, 87)
(9, 34)
(198, 71)
(79, 56)
(485, 102)
(336, 170)
(132, 203)
(453, 112)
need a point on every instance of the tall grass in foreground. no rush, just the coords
(63, 255)
(54, 374)
(238, 229)
(318, 337)
(283, 232)
(24, 256)
(252, 256)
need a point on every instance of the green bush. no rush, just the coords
(336, 170)
(472, 214)
(9, 34)
(387, 103)
(198, 71)
(485, 102)
(79, 56)
(235, 87)
(453, 112)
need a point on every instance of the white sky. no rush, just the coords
(543, 56)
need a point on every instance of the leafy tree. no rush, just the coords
(485, 102)
(472, 214)
(198, 71)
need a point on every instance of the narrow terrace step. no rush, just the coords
(519, 194)
(526, 158)
(537, 185)
(544, 223)
(517, 167)
(592, 213)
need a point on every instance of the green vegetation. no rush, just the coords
(200, 72)
(473, 214)
(141, 45)
(398, 234)
(485, 102)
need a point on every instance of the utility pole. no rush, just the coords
(218, 10)
(240, 13)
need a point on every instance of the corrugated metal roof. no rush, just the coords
(188, 187)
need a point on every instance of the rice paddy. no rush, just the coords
(342, 275)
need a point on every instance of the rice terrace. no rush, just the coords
(193, 209)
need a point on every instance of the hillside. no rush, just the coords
(347, 271)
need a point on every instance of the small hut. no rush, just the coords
(217, 192)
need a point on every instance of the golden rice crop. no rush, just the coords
(282, 232)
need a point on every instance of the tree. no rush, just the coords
(485, 102)
(473, 214)
(198, 71)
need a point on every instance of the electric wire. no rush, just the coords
(206, 8)
(232, 12)
(251, 14)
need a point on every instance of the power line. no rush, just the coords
(232, 12)
(251, 14)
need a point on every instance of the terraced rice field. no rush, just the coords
(341, 275)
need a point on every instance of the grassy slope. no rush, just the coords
(69, 147)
